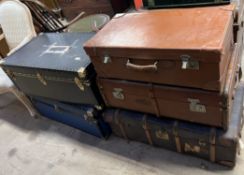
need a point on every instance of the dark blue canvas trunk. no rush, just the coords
(83, 117)
(55, 66)
(202, 141)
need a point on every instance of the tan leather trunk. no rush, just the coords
(184, 47)
(200, 106)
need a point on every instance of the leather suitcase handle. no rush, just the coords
(151, 67)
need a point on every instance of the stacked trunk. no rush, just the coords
(57, 75)
(173, 63)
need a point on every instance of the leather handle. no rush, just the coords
(150, 67)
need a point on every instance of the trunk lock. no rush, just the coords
(195, 106)
(107, 59)
(188, 63)
(118, 93)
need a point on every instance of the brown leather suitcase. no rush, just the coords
(184, 47)
(200, 106)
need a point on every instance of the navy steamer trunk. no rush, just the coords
(83, 117)
(202, 141)
(54, 65)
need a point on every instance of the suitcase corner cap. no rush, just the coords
(82, 72)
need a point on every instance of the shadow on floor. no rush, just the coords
(14, 113)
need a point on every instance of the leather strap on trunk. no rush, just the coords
(212, 141)
(177, 138)
(153, 99)
(147, 129)
(121, 126)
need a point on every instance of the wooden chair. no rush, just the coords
(47, 21)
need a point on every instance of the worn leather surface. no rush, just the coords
(188, 29)
(162, 37)
(163, 100)
(162, 131)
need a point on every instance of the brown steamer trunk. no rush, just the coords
(184, 47)
(206, 107)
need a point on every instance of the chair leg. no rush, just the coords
(26, 102)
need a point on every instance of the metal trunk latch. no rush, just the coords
(162, 134)
(195, 106)
(188, 63)
(118, 93)
(89, 116)
(192, 148)
(106, 59)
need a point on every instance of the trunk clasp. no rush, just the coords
(188, 63)
(195, 106)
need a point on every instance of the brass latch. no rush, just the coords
(81, 84)
(41, 79)
(82, 72)
(195, 106)
(192, 148)
(162, 134)
(118, 93)
(106, 59)
(188, 63)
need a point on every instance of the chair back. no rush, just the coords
(44, 18)
(16, 22)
